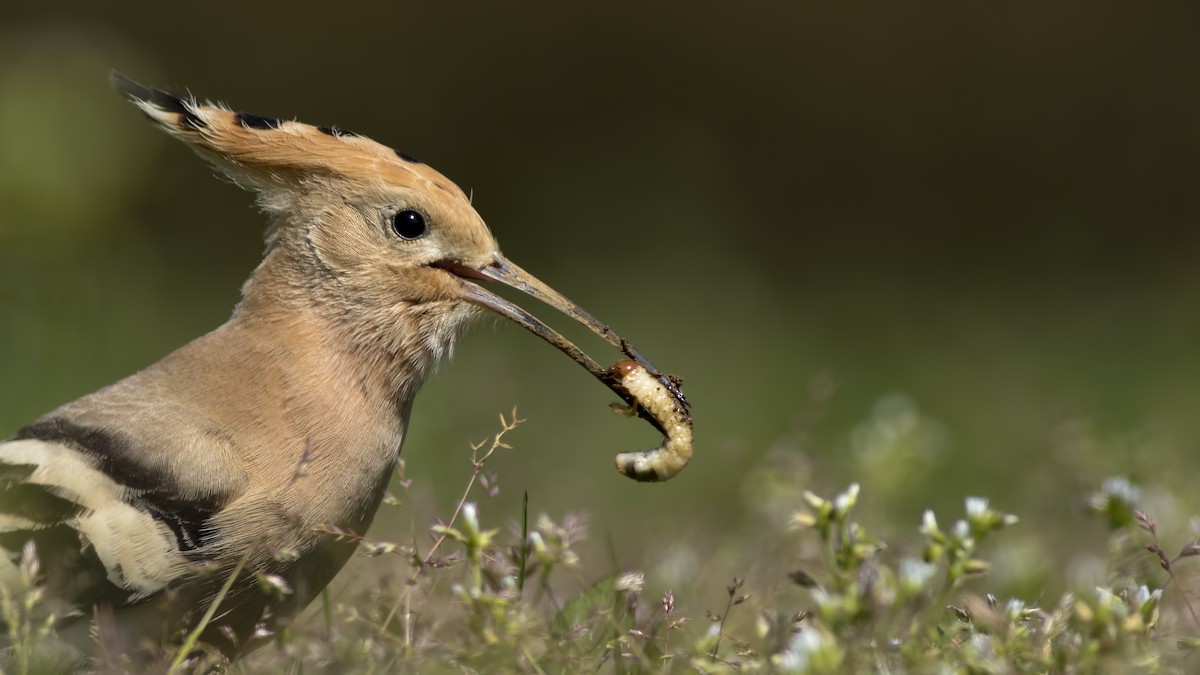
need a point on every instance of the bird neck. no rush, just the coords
(389, 350)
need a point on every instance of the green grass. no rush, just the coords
(810, 590)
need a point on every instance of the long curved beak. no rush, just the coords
(503, 271)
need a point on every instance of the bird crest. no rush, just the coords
(267, 153)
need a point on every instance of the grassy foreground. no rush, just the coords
(826, 597)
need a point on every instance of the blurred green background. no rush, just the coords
(937, 248)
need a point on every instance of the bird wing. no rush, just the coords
(108, 525)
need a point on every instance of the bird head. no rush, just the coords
(387, 245)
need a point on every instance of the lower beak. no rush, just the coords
(503, 271)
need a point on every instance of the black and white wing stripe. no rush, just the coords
(104, 528)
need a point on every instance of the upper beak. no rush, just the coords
(503, 271)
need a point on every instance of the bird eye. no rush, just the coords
(409, 224)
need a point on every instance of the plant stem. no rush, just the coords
(524, 538)
(194, 636)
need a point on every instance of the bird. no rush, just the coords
(234, 452)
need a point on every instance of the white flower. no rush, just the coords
(929, 524)
(915, 574)
(845, 501)
(802, 649)
(961, 529)
(1143, 596)
(977, 507)
(470, 517)
(1014, 608)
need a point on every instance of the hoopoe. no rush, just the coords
(142, 498)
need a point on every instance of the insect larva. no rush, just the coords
(651, 394)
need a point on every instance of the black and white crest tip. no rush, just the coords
(165, 100)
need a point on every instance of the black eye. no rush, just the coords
(409, 224)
